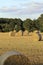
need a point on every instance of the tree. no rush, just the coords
(28, 25)
(12, 24)
(37, 27)
(19, 25)
(40, 19)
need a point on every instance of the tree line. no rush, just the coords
(7, 25)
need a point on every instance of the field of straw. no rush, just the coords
(27, 45)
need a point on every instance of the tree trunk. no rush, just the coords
(22, 33)
(39, 35)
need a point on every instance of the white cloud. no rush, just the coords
(31, 8)
(6, 9)
(24, 9)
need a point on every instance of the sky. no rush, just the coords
(21, 9)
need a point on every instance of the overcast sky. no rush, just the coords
(21, 8)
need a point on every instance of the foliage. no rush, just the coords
(40, 19)
(28, 25)
(7, 25)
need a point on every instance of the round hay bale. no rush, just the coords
(31, 33)
(42, 35)
(25, 33)
(18, 33)
(35, 31)
(13, 33)
(14, 58)
(35, 36)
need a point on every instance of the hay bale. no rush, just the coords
(35, 36)
(42, 35)
(39, 34)
(31, 33)
(12, 33)
(18, 33)
(14, 58)
(25, 33)
(35, 31)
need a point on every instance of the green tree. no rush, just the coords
(37, 27)
(19, 25)
(28, 25)
(40, 19)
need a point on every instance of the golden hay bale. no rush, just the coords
(35, 36)
(25, 33)
(38, 35)
(12, 33)
(31, 33)
(17, 60)
(35, 31)
(19, 33)
(42, 35)
(14, 58)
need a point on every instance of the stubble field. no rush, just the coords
(27, 45)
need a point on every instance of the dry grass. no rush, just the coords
(27, 45)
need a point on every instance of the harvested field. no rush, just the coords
(27, 45)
